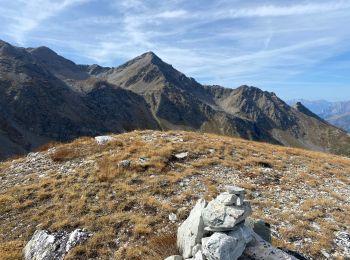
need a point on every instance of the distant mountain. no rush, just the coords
(45, 97)
(337, 113)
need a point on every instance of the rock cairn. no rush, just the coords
(217, 231)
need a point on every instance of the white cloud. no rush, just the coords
(226, 42)
(286, 10)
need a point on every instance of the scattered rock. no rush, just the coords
(342, 240)
(125, 163)
(103, 139)
(45, 245)
(172, 217)
(181, 156)
(191, 230)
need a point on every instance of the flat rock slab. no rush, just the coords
(191, 230)
(218, 217)
(234, 190)
(258, 248)
(227, 199)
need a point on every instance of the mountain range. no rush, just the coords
(337, 113)
(45, 97)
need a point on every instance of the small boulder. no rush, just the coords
(45, 245)
(191, 230)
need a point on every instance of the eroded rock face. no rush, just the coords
(45, 245)
(191, 230)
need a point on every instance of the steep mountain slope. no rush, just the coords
(47, 97)
(36, 106)
(180, 102)
(336, 113)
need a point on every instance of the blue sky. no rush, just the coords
(298, 49)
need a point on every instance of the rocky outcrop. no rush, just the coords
(45, 245)
(217, 231)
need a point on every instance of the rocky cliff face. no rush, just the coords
(47, 97)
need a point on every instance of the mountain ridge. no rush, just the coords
(47, 97)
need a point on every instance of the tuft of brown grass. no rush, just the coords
(162, 246)
(65, 153)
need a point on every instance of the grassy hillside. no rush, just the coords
(303, 194)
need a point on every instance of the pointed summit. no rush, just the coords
(303, 109)
(148, 72)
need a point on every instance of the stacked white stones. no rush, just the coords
(216, 231)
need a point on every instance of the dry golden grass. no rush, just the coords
(132, 204)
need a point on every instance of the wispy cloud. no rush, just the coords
(27, 15)
(225, 42)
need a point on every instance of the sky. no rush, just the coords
(297, 49)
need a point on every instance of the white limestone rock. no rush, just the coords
(191, 230)
(45, 245)
(199, 256)
(174, 257)
(258, 248)
(78, 236)
(181, 155)
(220, 246)
(218, 217)
(235, 190)
(172, 217)
(103, 139)
(227, 199)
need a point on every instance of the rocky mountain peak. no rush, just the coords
(303, 109)
(56, 64)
